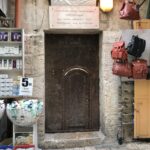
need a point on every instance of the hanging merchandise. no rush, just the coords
(119, 52)
(136, 47)
(139, 69)
(24, 112)
(122, 69)
(3, 36)
(130, 10)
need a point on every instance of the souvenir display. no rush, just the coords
(16, 36)
(24, 147)
(24, 112)
(3, 36)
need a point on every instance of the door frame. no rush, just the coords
(80, 32)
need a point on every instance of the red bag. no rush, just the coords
(122, 69)
(129, 10)
(24, 147)
(119, 51)
(140, 69)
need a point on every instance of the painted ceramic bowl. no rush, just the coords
(2, 108)
(24, 112)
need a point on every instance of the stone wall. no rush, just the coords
(35, 19)
(35, 16)
(109, 86)
(127, 109)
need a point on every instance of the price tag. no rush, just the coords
(26, 87)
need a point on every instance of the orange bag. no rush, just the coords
(122, 69)
(140, 69)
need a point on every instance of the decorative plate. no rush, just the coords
(24, 112)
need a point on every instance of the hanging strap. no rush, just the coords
(97, 2)
(139, 5)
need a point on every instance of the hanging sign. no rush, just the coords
(26, 87)
(74, 17)
(73, 2)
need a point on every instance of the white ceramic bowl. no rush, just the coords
(2, 108)
(24, 112)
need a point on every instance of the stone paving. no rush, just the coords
(115, 146)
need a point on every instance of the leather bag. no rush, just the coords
(136, 47)
(140, 69)
(129, 10)
(122, 69)
(119, 52)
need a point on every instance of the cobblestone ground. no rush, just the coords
(115, 146)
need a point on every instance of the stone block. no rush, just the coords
(110, 37)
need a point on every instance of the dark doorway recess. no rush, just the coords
(71, 82)
(5, 130)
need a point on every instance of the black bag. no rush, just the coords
(136, 47)
(148, 75)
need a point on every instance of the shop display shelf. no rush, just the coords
(10, 70)
(10, 56)
(11, 97)
(10, 42)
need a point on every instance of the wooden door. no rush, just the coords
(141, 110)
(71, 82)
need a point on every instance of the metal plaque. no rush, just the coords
(74, 17)
(73, 2)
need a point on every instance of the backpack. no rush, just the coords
(136, 47)
(119, 52)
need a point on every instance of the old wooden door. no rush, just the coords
(71, 82)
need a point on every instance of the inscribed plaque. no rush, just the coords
(74, 17)
(73, 2)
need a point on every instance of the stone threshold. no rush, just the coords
(74, 139)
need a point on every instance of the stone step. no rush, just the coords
(73, 140)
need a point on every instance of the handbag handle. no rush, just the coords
(139, 5)
(97, 2)
(130, 1)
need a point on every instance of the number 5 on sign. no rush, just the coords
(26, 86)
